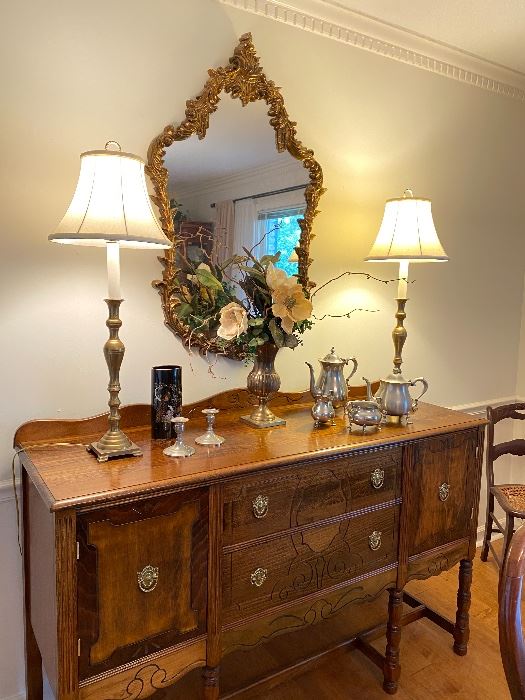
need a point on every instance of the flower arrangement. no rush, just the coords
(247, 301)
(275, 308)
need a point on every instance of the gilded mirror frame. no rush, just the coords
(243, 79)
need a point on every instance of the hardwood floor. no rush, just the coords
(429, 667)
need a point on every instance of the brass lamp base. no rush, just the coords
(262, 417)
(114, 444)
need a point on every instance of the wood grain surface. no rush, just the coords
(306, 562)
(310, 493)
(69, 476)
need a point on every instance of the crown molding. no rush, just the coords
(210, 186)
(333, 21)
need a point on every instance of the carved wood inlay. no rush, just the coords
(306, 561)
(309, 493)
(448, 459)
(435, 562)
(119, 620)
(144, 678)
(307, 613)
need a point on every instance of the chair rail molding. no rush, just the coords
(481, 406)
(329, 19)
(7, 494)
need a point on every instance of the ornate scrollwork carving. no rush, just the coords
(244, 79)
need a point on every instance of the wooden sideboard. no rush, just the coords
(141, 570)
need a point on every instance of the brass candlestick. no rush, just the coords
(114, 443)
(399, 335)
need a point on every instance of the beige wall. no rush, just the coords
(78, 74)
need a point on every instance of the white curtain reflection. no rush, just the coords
(223, 233)
(244, 231)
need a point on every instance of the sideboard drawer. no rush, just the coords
(281, 499)
(288, 567)
(132, 558)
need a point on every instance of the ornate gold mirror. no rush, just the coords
(243, 182)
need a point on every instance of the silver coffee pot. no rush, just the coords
(394, 397)
(332, 378)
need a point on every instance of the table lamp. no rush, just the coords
(407, 234)
(111, 208)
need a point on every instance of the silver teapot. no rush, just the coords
(365, 414)
(332, 378)
(394, 396)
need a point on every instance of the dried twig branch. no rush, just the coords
(356, 274)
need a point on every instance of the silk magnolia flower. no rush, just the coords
(290, 304)
(233, 321)
(277, 278)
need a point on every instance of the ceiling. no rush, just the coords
(491, 29)
(239, 140)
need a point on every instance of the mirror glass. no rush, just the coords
(232, 177)
(233, 190)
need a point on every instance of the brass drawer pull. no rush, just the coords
(374, 540)
(444, 491)
(377, 477)
(148, 578)
(259, 577)
(260, 506)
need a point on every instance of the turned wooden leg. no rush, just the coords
(461, 629)
(391, 667)
(488, 527)
(210, 677)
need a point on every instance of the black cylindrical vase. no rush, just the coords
(166, 399)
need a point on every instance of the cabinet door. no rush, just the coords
(443, 476)
(141, 578)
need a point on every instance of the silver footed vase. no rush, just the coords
(263, 381)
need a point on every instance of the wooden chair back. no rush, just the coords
(512, 447)
(512, 645)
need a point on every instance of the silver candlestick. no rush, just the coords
(210, 437)
(179, 449)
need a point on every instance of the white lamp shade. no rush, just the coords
(111, 203)
(407, 233)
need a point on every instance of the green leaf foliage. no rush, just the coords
(277, 334)
(206, 278)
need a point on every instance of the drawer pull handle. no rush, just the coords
(148, 578)
(374, 540)
(260, 506)
(259, 577)
(377, 477)
(444, 491)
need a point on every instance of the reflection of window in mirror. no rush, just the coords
(228, 184)
(279, 231)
